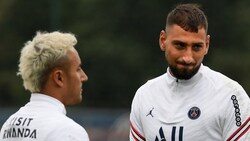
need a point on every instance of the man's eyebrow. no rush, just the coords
(184, 43)
(178, 42)
(198, 43)
(80, 65)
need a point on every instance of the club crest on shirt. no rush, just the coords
(194, 113)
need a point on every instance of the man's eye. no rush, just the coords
(179, 45)
(79, 69)
(197, 47)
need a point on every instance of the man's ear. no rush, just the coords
(58, 77)
(207, 43)
(162, 40)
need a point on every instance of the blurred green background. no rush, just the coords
(118, 43)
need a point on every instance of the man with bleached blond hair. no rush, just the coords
(51, 70)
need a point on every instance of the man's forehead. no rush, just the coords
(175, 26)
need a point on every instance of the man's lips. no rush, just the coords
(185, 66)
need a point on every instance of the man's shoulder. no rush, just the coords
(214, 75)
(67, 129)
(219, 80)
(63, 127)
(148, 89)
(59, 121)
(155, 81)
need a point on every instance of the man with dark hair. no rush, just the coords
(190, 102)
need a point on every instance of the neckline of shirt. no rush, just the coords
(190, 81)
(44, 100)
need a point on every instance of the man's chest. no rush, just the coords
(182, 120)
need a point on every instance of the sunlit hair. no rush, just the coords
(39, 56)
(188, 16)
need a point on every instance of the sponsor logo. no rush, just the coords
(20, 128)
(150, 113)
(174, 134)
(162, 136)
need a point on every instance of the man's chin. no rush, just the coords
(184, 76)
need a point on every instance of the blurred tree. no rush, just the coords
(118, 42)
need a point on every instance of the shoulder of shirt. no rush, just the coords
(155, 82)
(69, 127)
(66, 122)
(219, 80)
(69, 131)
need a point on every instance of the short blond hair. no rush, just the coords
(39, 56)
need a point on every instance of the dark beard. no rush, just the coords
(183, 73)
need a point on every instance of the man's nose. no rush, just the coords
(84, 76)
(188, 56)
